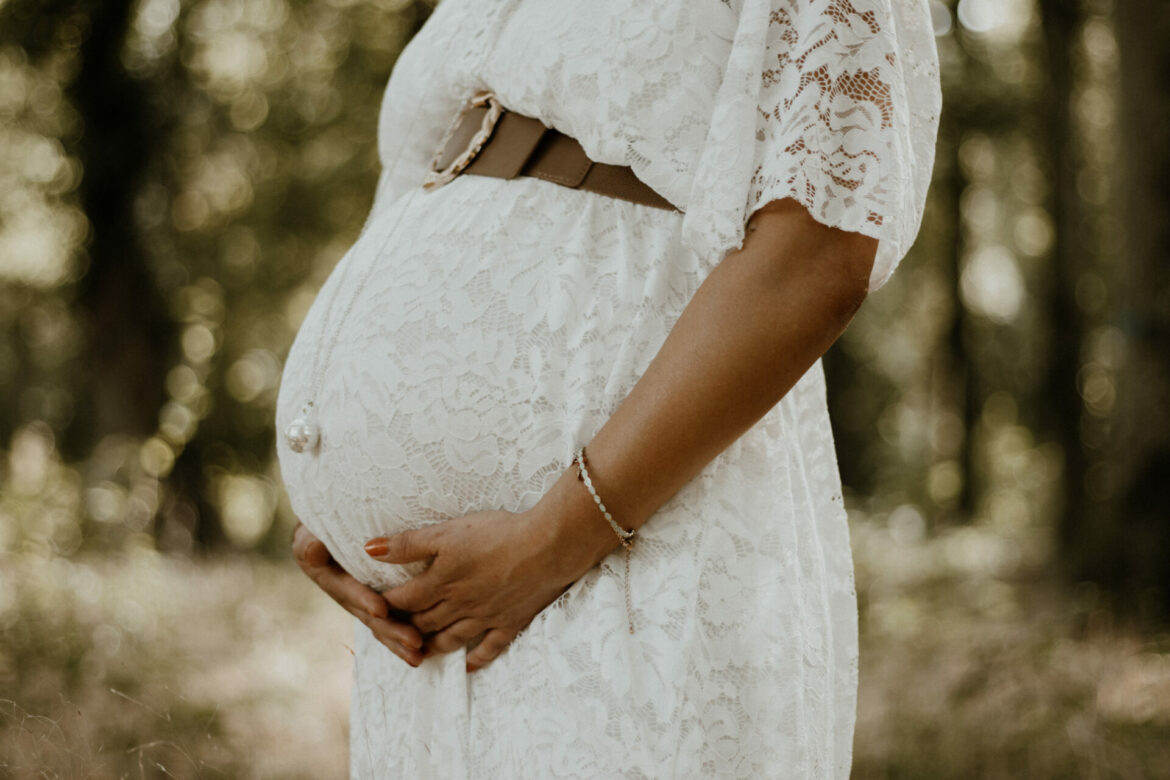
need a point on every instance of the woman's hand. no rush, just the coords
(364, 603)
(494, 571)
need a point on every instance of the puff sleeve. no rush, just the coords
(834, 103)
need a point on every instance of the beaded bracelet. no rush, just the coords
(625, 537)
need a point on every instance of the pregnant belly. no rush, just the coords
(415, 435)
(456, 367)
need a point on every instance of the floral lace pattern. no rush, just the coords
(483, 331)
(719, 105)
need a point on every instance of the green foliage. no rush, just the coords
(257, 165)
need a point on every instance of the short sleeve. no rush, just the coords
(833, 103)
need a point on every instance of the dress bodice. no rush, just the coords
(719, 105)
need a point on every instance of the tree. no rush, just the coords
(1134, 540)
(1061, 21)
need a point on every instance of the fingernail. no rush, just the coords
(398, 651)
(376, 547)
(409, 642)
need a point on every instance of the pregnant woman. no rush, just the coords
(556, 426)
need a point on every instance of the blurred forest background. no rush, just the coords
(177, 179)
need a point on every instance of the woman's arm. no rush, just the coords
(759, 320)
(757, 323)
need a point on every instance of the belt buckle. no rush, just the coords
(435, 178)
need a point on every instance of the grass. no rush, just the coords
(157, 667)
(149, 666)
(974, 665)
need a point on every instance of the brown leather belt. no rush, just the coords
(488, 140)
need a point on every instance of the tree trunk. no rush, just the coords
(955, 366)
(130, 334)
(1078, 513)
(1138, 479)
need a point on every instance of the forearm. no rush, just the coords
(756, 324)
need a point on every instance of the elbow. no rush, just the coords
(795, 248)
(847, 264)
(849, 303)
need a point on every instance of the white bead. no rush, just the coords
(301, 435)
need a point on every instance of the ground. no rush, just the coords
(151, 666)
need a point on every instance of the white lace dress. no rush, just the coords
(477, 334)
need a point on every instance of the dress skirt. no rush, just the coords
(470, 341)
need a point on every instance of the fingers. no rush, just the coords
(307, 549)
(317, 554)
(437, 618)
(314, 559)
(343, 588)
(364, 603)
(493, 644)
(300, 540)
(400, 631)
(455, 636)
(400, 638)
(367, 598)
(416, 595)
(405, 547)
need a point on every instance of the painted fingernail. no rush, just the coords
(376, 547)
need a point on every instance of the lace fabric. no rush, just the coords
(483, 331)
(720, 105)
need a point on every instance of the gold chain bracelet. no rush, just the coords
(625, 537)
